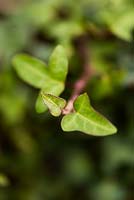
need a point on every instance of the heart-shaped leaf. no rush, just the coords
(49, 79)
(54, 104)
(86, 119)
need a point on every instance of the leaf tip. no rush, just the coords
(113, 129)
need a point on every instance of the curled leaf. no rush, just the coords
(54, 104)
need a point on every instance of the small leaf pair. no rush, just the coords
(49, 79)
(84, 118)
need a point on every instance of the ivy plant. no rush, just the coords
(77, 113)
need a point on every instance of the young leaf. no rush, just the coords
(49, 80)
(31, 70)
(123, 25)
(86, 119)
(55, 104)
(39, 105)
(55, 89)
(58, 64)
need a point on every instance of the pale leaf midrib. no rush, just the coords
(87, 119)
(59, 107)
(51, 101)
(92, 122)
(43, 75)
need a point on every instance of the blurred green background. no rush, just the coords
(38, 161)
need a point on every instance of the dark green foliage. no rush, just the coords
(37, 159)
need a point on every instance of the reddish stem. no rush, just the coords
(81, 83)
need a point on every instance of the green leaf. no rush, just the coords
(31, 70)
(58, 64)
(39, 105)
(86, 119)
(51, 88)
(55, 104)
(49, 79)
(124, 25)
(66, 30)
(54, 89)
(4, 180)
